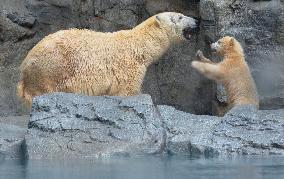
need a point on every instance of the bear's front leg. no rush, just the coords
(201, 57)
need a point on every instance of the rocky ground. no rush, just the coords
(72, 126)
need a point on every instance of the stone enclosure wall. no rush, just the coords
(259, 25)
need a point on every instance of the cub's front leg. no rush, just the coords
(206, 67)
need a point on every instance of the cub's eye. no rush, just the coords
(180, 17)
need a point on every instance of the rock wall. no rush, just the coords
(259, 26)
(171, 81)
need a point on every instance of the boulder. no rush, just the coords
(73, 126)
(242, 131)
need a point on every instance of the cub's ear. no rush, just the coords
(232, 41)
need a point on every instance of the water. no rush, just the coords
(146, 168)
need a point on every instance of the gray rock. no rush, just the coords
(245, 130)
(11, 140)
(26, 21)
(73, 126)
(188, 133)
(242, 131)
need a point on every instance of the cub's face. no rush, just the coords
(222, 45)
(177, 24)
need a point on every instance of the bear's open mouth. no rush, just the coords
(188, 32)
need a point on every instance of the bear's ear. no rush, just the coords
(158, 19)
(232, 41)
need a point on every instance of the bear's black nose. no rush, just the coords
(197, 21)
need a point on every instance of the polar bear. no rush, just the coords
(96, 63)
(233, 72)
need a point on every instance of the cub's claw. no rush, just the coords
(199, 54)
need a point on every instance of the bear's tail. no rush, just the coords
(25, 98)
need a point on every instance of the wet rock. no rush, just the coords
(245, 130)
(11, 140)
(242, 131)
(73, 126)
(187, 133)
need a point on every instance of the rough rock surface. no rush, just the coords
(71, 126)
(259, 26)
(11, 140)
(243, 131)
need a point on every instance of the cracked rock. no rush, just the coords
(242, 131)
(74, 126)
(25, 21)
(67, 126)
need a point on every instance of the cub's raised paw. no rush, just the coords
(199, 54)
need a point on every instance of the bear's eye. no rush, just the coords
(180, 17)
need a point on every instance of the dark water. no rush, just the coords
(147, 168)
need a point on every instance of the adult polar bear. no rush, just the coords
(96, 63)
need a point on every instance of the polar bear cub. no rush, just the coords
(233, 72)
